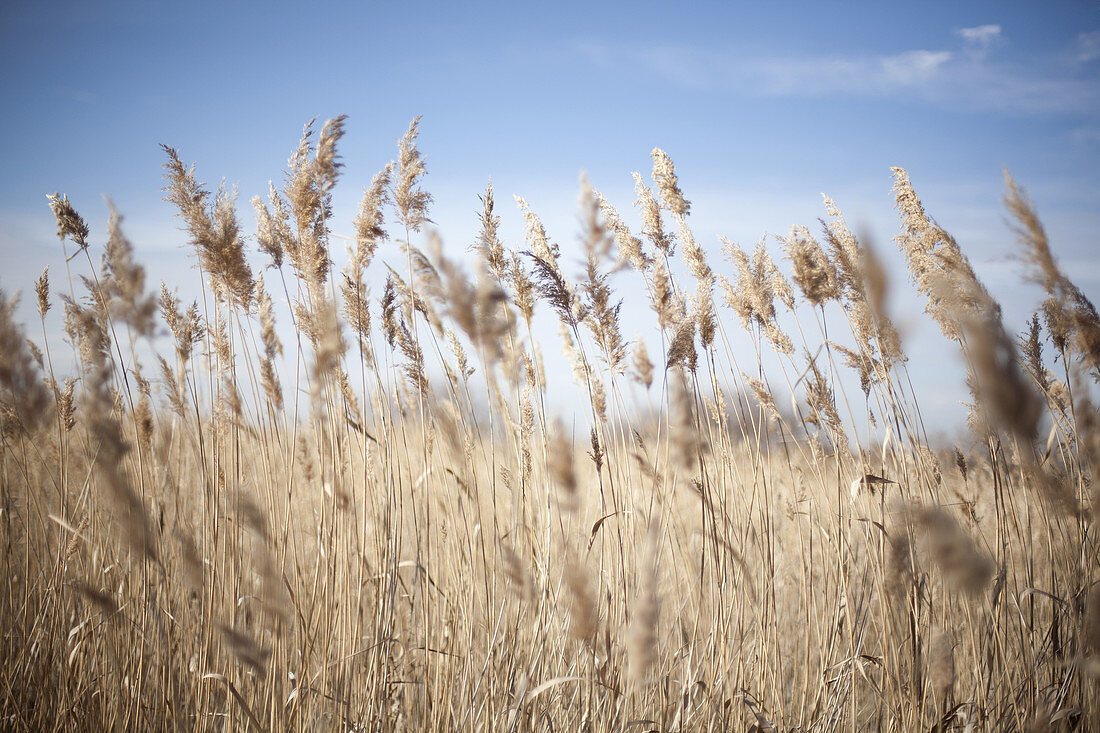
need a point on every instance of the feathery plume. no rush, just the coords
(664, 175)
(958, 557)
(813, 272)
(523, 288)
(66, 405)
(822, 403)
(273, 227)
(368, 222)
(19, 378)
(630, 247)
(652, 225)
(554, 289)
(603, 316)
(488, 239)
(411, 200)
(69, 223)
(664, 300)
(681, 352)
(1031, 348)
(327, 163)
(273, 348)
(535, 235)
(759, 283)
(173, 389)
(643, 367)
(122, 284)
(1001, 391)
(940, 270)
(1070, 311)
(213, 228)
(42, 291)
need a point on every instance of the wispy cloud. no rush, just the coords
(964, 77)
(712, 70)
(782, 76)
(979, 38)
(1086, 136)
(1088, 47)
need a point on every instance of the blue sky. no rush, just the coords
(763, 106)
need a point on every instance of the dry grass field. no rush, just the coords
(386, 523)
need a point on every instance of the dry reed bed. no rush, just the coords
(385, 525)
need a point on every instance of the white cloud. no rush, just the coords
(979, 38)
(694, 68)
(962, 78)
(913, 67)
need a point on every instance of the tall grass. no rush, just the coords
(388, 524)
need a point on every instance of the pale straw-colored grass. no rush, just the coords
(386, 521)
